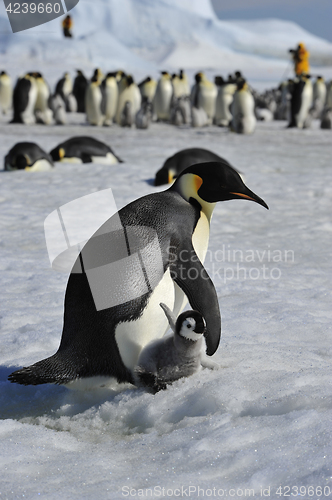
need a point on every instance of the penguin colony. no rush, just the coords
(115, 98)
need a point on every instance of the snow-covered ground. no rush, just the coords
(260, 422)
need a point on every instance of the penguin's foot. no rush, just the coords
(150, 381)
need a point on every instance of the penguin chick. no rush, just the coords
(174, 356)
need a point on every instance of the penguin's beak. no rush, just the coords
(249, 195)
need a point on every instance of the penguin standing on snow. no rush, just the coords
(129, 101)
(95, 99)
(64, 88)
(151, 251)
(6, 92)
(163, 97)
(42, 111)
(24, 100)
(301, 102)
(204, 95)
(28, 156)
(243, 110)
(319, 97)
(174, 356)
(225, 96)
(110, 86)
(148, 88)
(79, 89)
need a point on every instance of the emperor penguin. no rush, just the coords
(111, 90)
(328, 102)
(6, 92)
(181, 160)
(28, 156)
(82, 149)
(180, 85)
(129, 102)
(24, 100)
(95, 100)
(243, 110)
(301, 102)
(143, 117)
(64, 88)
(148, 88)
(225, 96)
(42, 110)
(174, 356)
(151, 251)
(204, 95)
(326, 120)
(79, 89)
(319, 97)
(163, 97)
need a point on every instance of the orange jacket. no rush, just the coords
(67, 23)
(301, 60)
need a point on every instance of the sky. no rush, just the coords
(313, 15)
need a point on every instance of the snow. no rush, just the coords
(263, 420)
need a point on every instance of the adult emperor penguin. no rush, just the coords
(95, 100)
(79, 89)
(301, 102)
(181, 160)
(24, 99)
(110, 86)
(129, 101)
(6, 92)
(151, 251)
(319, 97)
(42, 110)
(204, 95)
(243, 110)
(147, 88)
(163, 97)
(225, 96)
(174, 356)
(28, 156)
(64, 88)
(83, 149)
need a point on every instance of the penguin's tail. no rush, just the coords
(47, 371)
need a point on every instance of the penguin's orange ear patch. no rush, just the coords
(198, 181)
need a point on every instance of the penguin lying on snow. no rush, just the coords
(175, 164)
(111, 309)
(83, 149)
(28, 156)
(174, 356)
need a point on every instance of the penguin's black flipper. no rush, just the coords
(190, 275)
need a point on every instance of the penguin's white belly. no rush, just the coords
(40, 166)
(132, 336)
(109, 159)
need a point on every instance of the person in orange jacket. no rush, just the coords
(301, 59)
(67, 25)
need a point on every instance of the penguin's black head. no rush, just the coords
(55, 154)
(213, 181)
(190, 325)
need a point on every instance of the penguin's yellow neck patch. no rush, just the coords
(188, 188)
(61, 153)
